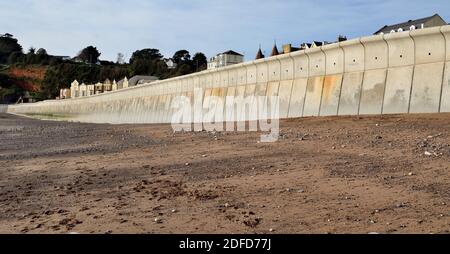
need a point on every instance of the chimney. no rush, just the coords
(287, 48)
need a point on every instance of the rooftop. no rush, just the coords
(231, 52)
(406, 25)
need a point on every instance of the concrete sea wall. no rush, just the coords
(405, 72)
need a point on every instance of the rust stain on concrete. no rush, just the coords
(330, 84)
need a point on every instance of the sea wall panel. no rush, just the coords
(334, 59)
(353, 55)
(262, 71)
(372, 92)
(445, 97)
(316, 62)
(287, 67)
(313, 96)
(426, 88)
(400, 72)
(376, 54)
(284, 93)
(251, 112)
(330, 95)
(398, 89)
(301, 64)
(274, 69)
(350, 93)
(251, 74)
(428, 71)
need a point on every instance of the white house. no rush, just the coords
(83, 90)
(74, 89)
(170, 63)
(224, 59)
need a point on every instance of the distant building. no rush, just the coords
(287, 48)
(316, 44)
(74, 89)
(259, 54)
(64, 93)
(77, 60)
(224, 59)
(123, 83)
(114, 85)
(82, 90)
(274, 51)
(431, 21)
(170, 63)
(64, 58)
(98, 88)
(139, 80)
(107, 86)
(135, 81)
(77, 90)
(305, 46)
(90, 89)
(341, 38)
(25, 98)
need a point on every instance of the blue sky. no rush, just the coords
(210, 26)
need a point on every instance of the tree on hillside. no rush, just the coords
(7, 35)
(8, 45)
(146, 54)
(41, 51)
(9, 93)
(35, 57)
(31, 51)
(183, 69)
(15, 57)
(199, 61)
(89, 55)
(113, 72)
(145, 62)
(42, 57)
(181, 56)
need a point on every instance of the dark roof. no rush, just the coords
(318, 43)
(259, 55)
(406, 25)
(231, 52)
(138, 79)
(306, 45)
(274, 51)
